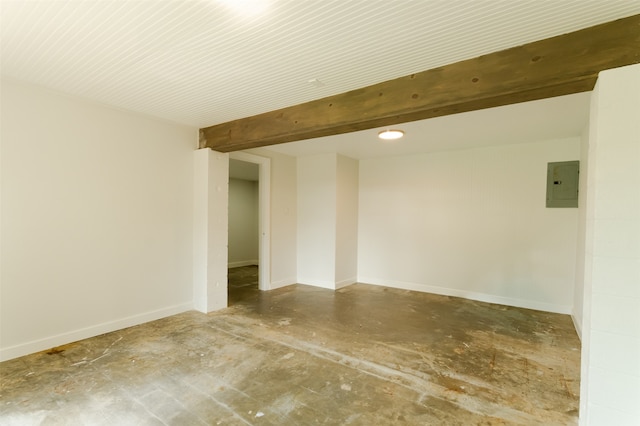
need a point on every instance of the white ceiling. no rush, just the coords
(201, 63)
(554, 118)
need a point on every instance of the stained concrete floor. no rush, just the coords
(300, 355)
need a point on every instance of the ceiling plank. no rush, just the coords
(555, 66)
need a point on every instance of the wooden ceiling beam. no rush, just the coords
(556, 66)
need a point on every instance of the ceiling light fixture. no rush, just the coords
(390, 134)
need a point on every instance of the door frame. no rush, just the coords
(264, 219)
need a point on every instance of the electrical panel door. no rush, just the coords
(562, 184)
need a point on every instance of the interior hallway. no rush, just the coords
(242, 283)
(301, 355)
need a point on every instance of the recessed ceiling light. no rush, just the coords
(390, 134)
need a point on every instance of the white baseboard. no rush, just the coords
(84, 333)
(331, 285)
(318, 283)
(344, 283)
(480, 297)
(283, 283)
(240, 263)
(578, 326)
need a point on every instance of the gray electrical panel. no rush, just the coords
(562, 184)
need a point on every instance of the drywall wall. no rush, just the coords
(96, 219)
(327, 220)
(283, 217)
(610, 377)
(346, 212)
(210, 229)
(578, 293)
(470, 223)
(243, 223)
(317, 220)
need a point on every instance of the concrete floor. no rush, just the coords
(300, 355)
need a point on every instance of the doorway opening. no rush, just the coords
(248, 247)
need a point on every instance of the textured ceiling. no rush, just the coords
(201, 63)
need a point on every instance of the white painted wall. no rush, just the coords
(243, 223)
(96, 219)
(283, 215)
(327, 220)
(346, 221)
(470, 223)
(317, 220)
(610, 379)
(210, 229)
(578, 294)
